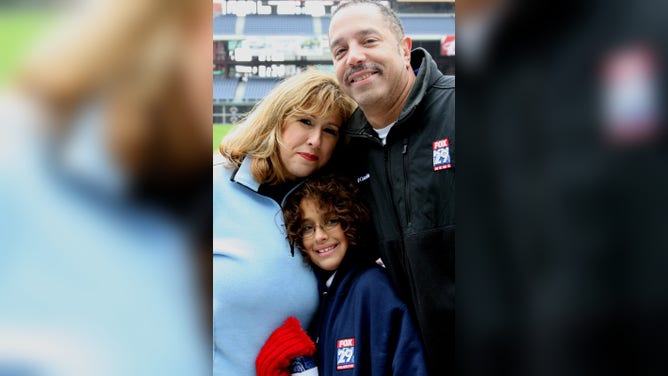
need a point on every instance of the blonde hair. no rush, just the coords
(258, 134)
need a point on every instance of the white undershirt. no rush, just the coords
(383, 132)
(330, 280)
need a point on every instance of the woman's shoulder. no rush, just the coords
(220, 162)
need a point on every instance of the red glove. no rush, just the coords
(287, 342)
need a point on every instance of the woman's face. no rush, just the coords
(307, 144)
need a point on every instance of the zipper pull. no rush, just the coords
(405, 146)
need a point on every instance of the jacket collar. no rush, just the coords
(244, 176)
(427, 75)
(424, 64)
(352, 262)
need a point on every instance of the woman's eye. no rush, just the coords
(306, 121)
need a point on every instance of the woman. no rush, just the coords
(258, 282)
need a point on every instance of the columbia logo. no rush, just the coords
(363, 178)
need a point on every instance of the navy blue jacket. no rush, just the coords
(363, 328)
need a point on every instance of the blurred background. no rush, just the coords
(105, 197)
(258, 43)
(562, 187)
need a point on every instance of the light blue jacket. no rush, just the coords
(91, 282)
(257, 283)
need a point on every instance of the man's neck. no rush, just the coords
(380, 116)
(380, 119)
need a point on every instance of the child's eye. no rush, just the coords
(332, 222)
(307, 230)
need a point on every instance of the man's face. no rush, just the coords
(371, 64)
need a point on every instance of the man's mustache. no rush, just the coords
(359, 68)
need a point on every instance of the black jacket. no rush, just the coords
(410, 183)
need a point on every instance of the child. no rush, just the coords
(362, 328)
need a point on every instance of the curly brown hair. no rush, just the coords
(336, 195)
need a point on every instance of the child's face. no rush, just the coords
(324, 240)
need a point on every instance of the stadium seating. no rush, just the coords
(224, 25)
(263, 25)
(224, 88)
(257, 88)
(278, 25)
(325, 21)
(416, 25)
(252, 37)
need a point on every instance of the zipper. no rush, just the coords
(390, 186)
(407, 196)
(388, 180)
(323, 305)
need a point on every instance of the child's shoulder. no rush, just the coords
(372, 286)
(372, 277)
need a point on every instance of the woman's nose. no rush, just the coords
(314, 139)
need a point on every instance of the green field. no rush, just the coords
(219, 130)
(19, 30)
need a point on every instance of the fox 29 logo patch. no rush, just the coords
(345, 354)
(441, 154)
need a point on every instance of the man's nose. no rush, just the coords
(356, 55)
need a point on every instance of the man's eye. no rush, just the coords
(332, 131)
(339, 52)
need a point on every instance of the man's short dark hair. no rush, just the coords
(388, 14)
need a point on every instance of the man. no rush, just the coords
(401, 149)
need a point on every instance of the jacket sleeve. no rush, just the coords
(409, 356)
(393, 330)
(286, 343)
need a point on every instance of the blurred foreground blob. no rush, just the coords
(562, 207)
(104, 194)
(631, 96)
